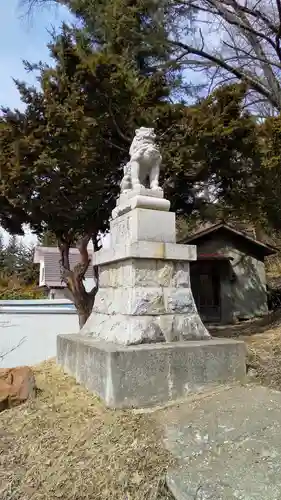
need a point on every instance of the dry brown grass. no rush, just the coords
(273, 266)
(263, 340)
(264, 355)
(66, 445)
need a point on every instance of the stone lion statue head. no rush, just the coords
(144, 137)
(144, 133)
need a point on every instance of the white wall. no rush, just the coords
(36, 324)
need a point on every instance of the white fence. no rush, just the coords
(33, 326)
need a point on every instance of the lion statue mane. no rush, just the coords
(145, 161)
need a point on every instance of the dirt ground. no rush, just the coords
(66, 445)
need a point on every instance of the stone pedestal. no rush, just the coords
(145, 294)
(144, 342)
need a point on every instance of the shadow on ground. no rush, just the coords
(247, 328)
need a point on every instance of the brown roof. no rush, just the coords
(51, 258)
(213, 256)
(265, 248)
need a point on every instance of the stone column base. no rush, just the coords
(150, 374)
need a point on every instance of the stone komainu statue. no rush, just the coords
(145, 161)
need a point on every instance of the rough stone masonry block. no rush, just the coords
(147, 375)
(117, 274)
(179, 300)
(144, 301)
(133, 300)
(146, 273)
(144, 328)
(163, 273)
(143, 225)
(125, 330)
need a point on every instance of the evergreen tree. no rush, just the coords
(16, 262)
(133, 29)
(63, 157)
(65, 154)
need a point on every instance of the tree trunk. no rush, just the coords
(83, 317)
(74, 279)
(84, 302)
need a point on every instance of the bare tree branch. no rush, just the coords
(278, 34)
(246, 56)
(241, 23)
(12, 349)
(30, 6)
(261, 89)
(249, 48)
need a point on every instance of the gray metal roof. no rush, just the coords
(50, 256)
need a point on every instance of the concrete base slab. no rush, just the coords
(149, 374)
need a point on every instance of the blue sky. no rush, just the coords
(23, 37)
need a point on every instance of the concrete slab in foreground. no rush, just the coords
(150, 374)
(228, 445)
